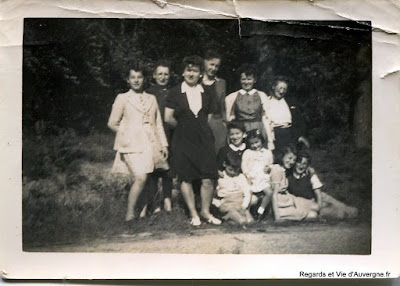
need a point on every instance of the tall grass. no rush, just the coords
(68, 191)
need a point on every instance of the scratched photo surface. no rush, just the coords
(73, 70)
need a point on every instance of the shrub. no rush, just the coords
(68, 187)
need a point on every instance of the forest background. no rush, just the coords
(73, 69)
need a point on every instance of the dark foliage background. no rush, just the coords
(73, 68)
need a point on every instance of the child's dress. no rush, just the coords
(253, 165)
(286, 206)
(235, 194)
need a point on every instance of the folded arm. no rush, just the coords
(169, 117)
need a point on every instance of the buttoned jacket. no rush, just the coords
(137, 123)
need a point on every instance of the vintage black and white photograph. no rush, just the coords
(196, 136)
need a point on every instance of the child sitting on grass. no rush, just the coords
(236, 135)
(304, 183)
(234, 190)
(285, 205)
(256, 163)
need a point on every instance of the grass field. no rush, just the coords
(70, 197)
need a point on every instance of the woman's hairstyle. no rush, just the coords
(233, 160)
(194, 61)
(279, 78)
(162, 63)
(212, 54)
(291, 148)
(248, 70)
(235, 125)
(304, 154)
(137, 67)
(254, 133)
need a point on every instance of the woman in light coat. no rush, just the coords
(140, 142)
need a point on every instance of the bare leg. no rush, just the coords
(275, 208)
(158, 196)
(249, 217)
(236, 217)
(206, 193)
(254, 200)
(340, 207)
(334, 202)
(314, 208)
(167, 186)
(311, 215)
(188, 196)
(167, 204)
(134, 193)
(332, 212)
(266, 199)
(153, 194)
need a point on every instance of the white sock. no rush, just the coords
(260, 210)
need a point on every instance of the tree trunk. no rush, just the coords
(362, 115)
(362, 118)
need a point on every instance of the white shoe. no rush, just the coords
(195, 221)
(143, 213)
(213, 220)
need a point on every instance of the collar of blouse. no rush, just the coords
(141, 101)
(240, 148)
(210, 81)
(302, 175)
(185, 88)
(251, 92)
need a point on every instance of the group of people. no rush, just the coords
(238, 150)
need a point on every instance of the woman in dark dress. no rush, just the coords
(189, 108)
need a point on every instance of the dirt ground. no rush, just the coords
(344, 237)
